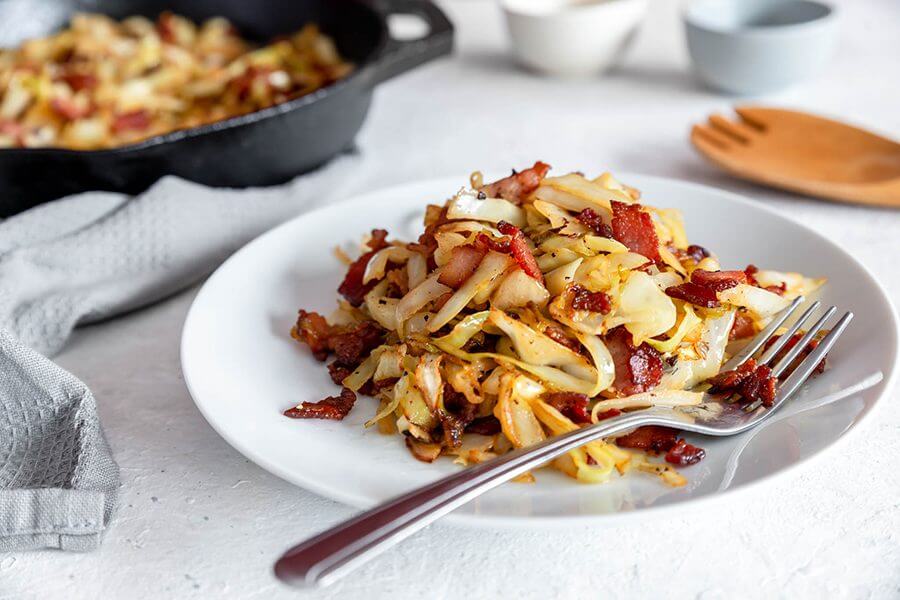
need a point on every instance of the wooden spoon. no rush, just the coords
(803, 153)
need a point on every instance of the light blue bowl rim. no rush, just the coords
(689, 15)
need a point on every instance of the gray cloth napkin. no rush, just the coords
(95, 255)
(58, 480)
(80, 260)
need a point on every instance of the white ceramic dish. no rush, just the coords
(759, 46)
(243, 369)
(571, 38)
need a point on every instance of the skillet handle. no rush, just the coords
(400, 56)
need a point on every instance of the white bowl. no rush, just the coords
(571, 38)
(759, 46)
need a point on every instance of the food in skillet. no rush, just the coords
(534, 305)
(102, 83)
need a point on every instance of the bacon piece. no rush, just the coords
(79, 81)
(350, 344)
(813, 343)
(338, 372)
(313, 330)
(464, 260)
(517, 186)
(779, 289)
(684, 454)
(136, 120)
(608, 414)
(584, 299)
(637, 369)
(753, 382)
(760, 386)
(590, 219)
(352, 287)
(14, 130)
(697, 295)
(486, 242)
(558, 335)
(743, 327)
(520, 251)
(649, 438)
(698, 253)
(458, 413)
(332, 407)
(484, 426)
(573, 405)
(718, 280)
(730, 380)
(69, 109)
(353, 345)
(633, 227)
(751, 272)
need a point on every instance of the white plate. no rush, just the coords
(243, 369)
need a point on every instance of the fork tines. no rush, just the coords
(809, 363)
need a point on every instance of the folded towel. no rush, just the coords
(58, 480)
(95, 255)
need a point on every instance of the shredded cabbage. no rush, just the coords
(467, 205)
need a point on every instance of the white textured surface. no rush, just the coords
(197, 520)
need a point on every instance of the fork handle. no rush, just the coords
(323, 559)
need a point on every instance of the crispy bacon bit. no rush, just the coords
(573, 405)
(453, 428)
(813, 343)
(559, 336)
(352, 287)
(79, 81)
(486, 242)
(698, 253)
(458, 413)
(684, 454)
(608, 414)
(517, 186)
(333, 407)
(484, 426)
(751, 272)
(136, 120)
(637, 369)
(743, 327)
(779, 289)
(464, 260)
(649, 438)
(718, 280)
(753, 382)
(697, 295)
(520, 251)
(760, 386)
(633, 227)
(338, 372)
(730, 380)
(590, 219)
(352, 346)
(584, 299)
(69, 109)
(313, 330)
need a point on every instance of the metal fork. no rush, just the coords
(323, 559)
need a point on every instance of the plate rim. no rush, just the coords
(565, 520)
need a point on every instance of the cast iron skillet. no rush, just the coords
(262, 148)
